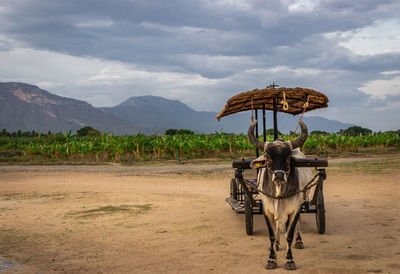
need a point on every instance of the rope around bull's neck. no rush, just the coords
(308, 186)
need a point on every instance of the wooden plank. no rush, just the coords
(298, 162)
(309, 162)
(236, 206)
(242, 164)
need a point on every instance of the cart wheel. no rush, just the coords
(234, 189)
(320, 215)
(248, 212)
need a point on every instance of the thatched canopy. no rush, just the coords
(258, 98)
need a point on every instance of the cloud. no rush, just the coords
(303, 5)
(380, 37)
(203, 52)
(94, 23)
(381, 89)
(85, 78)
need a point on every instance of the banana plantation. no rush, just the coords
(139, 147)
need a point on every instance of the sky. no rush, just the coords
(202, 52)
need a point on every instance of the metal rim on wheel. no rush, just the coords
(320, 215)
(248, 210)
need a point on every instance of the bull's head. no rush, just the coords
(276, 157)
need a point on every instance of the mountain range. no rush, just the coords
(27, 107)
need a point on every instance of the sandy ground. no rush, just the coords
(174, 219)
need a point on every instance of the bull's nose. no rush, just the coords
(279, 175)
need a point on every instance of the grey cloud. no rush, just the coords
(57, 20)
(237, 47)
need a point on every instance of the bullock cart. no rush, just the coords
(244, 196)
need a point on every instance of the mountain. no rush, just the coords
(289, 123)
(154, 111)
(158, 112)
(27, 107)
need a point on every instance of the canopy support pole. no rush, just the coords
(256, 114)
(265, 131)
(275, 101)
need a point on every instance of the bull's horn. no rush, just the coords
(250, 134)
(302, 138)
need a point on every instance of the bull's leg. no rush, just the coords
(277, 236)
(290, 265)
(299, 243)
(269, 219)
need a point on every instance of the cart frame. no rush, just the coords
(243, 192)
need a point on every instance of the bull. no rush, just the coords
(280, 185)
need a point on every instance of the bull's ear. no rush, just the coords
(295, 151)
(258, 163)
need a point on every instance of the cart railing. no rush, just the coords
(298, 162)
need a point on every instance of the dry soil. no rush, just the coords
(174, 219)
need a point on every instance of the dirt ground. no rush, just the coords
(174, 219)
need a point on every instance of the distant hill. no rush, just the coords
(289, 122)
(154, 111)
(27, 107)
(158, 112)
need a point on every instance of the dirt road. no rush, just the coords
(173, 219)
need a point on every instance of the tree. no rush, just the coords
(173, 131)
(87, 131)
(270, 131)
(355, 131)
(4, 132)
(185, 132)
(319, 132)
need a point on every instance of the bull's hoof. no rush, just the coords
(271, 264)
(290, 265)
(299, 245)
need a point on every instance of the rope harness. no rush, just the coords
(252, 117)
(308, 186)
(284, 103)
(305, 106)
(268, 166)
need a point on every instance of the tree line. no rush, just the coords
(90, 131)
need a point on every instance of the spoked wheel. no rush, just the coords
(248, 212)
(234, 189)
(320, 215)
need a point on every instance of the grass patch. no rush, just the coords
(201, 227)
(109, 210)
(33, 195)
(130, 226)
(15, 241)
(10, 238)
(381, 166)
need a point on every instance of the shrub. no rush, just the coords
(87, 131)
(355, 131)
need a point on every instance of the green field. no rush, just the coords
(139, 147)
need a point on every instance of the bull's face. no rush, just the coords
(278, 161)
(277, 157)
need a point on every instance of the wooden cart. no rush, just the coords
(244, 197)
